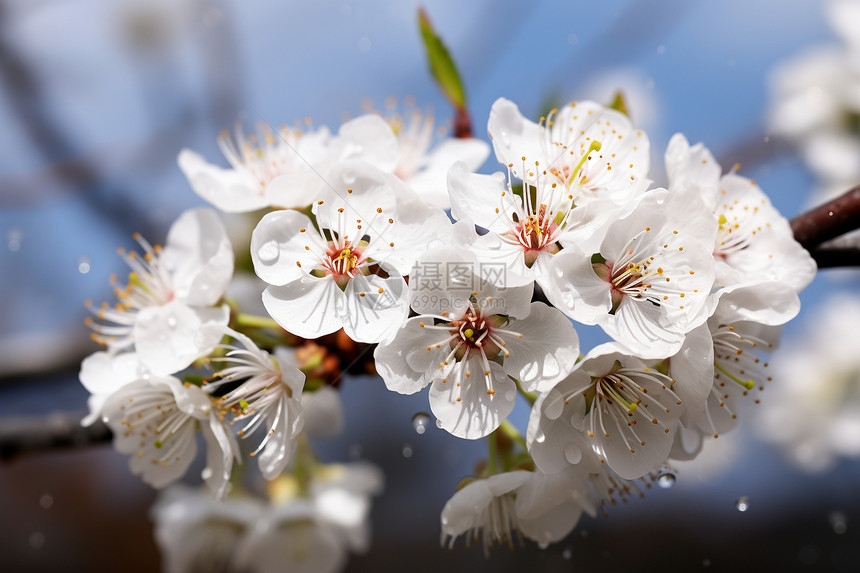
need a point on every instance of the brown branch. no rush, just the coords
(836, 257)
(828, 221)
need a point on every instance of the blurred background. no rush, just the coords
(98, 97)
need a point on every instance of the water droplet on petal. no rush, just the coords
(206, 473)
(37, 540)
(572, 453)
(666, 478)
(348, 176)
(83, 265)
(438, 423)
(406, 451)
(540, 438)
(171, 321)
(269, 252)
(743, 503)
(509, 396)
(14, 239)
(838, 521)
(46, 501)
(567, 553)
(420, 422)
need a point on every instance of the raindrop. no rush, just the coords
(14, 238)
(348, 176)
(572, 453)
(83, 265)
(355, 451)
(540, 438)
(438, 423)
(37, 540)
(567, 553)
(171, 321)
(406, 451)
(46, 501)
(509, 396)
(269, 252)
(364, 44)
(206, 473)
(838, 521)
(743, 503)
(661, 50)
(420, 421)
(666, 478)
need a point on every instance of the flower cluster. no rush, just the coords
(690, 281)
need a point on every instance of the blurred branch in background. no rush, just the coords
(58, 430)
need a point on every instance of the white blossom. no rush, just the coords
(171, 294)
(155, 420)
(287, 166)
(469, 339)
(612, 404)
(496, 509)
(648, 284)
(268, 397)
(349, 273)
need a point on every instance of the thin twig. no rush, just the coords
(58, 430)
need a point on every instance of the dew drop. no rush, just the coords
(540, 438)
(572, 453)
(838, 521)
(83, 265)
(14, 239)
(438, 423)
(46, 501)
(420, 422)
(406, 451)
(269, 252)
(171, 321)
(348, 176)
(37, 540)
(206, 473)
(743, 503)
(509, 396)
(567, 553)
(666, 478)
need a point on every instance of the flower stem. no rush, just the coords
(251, 320)
(493, 463)
(511, 432)
(530, 396)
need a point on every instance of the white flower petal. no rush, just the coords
(278, 247)
(476, 413)
(309, 307)
(547, 351)
(199, 257)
